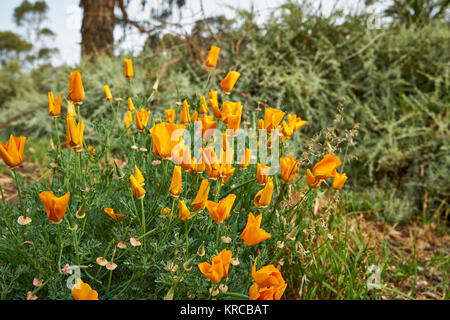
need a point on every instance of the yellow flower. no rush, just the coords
(289, 168)
(195, 116)
(185, 116)
(208, 123)
(228, 83)
(162, 135)
(221, 211)
(199, 202)
(176, 186)
(108, 95)
(141, 119)
(264, 196)
(339, 180)
(131, 105)
(170, 115)
(213, 55)
(269, 283)
(326, 168)
(138, 191)
(129, 73)
(76, 89)
(184, 212)
(203, 107)
(54, 107)
(253, 234)
(272, 118)
(139, 177)
(295, 122)
(12, 151)
(214, 104)
(286, 129)
(230, 108)
(83, 291)
(218, 269)
(75, 133)
(262, 173)
(211, 163)
(54, 207)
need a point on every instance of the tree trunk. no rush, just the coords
(97, 27)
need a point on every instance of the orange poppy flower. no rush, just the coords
(83, 291)
(253, 234)
(272, 118)
(326, 168)
(230, 108)
(165, 137)
(203, 107)
(218, 269)
(12, 151)
(75, 133)
(264, 196)
(170, 115)
(139, 177)
(230, 80)
(54, 207)
(339, 180)
(289, 168)
(54, 107)
(138, 191)
(221, 211)
(142, 118)
(269, 283)
(184, 212)
(200, 199)
(262, 173)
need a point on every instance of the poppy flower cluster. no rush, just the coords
(203, 170)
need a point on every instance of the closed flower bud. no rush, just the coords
(76, 89)
(108, 95)
(129, 73)
(176, 185)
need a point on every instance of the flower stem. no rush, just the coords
(143, 221)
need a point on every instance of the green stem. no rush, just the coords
(143, 220)
(59, 248)
(19, 192)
